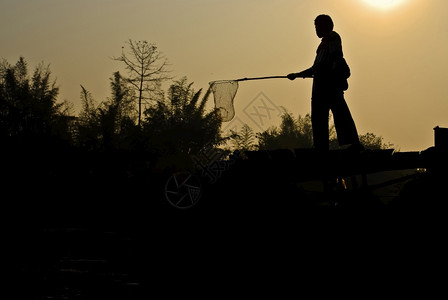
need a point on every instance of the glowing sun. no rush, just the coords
(383, 4)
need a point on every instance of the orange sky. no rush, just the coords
(396, 54)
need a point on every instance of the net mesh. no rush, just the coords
(224, 92)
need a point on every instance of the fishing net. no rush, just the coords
(224, 92)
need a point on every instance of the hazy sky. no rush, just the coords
(396, 50)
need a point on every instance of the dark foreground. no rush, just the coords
(102, 234)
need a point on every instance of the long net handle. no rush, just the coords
(257, 78)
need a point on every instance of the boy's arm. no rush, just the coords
(308, 73)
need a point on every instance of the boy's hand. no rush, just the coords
(292, 76)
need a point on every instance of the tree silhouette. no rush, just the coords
(373, 142)
(28, 105)
(244, 140)
(147, 68)
(108, 125)
(179, 126)
(290, 134)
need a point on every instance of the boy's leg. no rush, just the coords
(343, 122)
(319, 120)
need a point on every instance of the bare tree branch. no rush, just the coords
(146, 67)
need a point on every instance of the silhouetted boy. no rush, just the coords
(329, 73)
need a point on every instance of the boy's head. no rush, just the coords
(324, 25)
